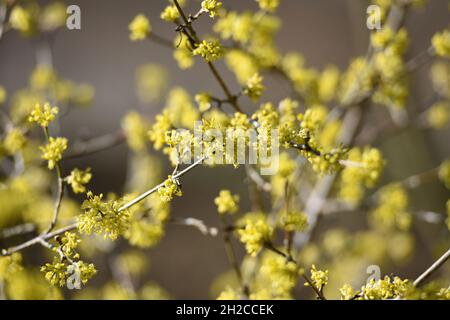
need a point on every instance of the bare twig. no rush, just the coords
(232, 256)
(198, 224)
(38, 239)
(189, 31)
(154, 189)
(433, 268)
(5, 12)
(96, 144)
(161, 40)
(18, 230)
(50, 235)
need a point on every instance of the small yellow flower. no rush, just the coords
(78, 178)
(43, 115)
(212, 7)
(255, 233)
(347, 292)
(139, 28)
(294, 221)
(382, 38)
(441, 43)
(3, 95)
(209, 50)
(170, 14)
(204, 101)
(14, 141)
(254, 87)
(101, 217)
(52, 152)
(439, 115)
(227, 202)
(444, 173)
(21, 20)
(269, 5)
(170, 189)
(318, 277)
(386, 288)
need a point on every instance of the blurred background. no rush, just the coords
(101, 54)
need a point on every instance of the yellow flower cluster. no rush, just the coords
(227, 202)
(14, 141)
(357, 80)
(241, 64)
(392, 211)
(229, 294)
(438, 115)
(204, 102)
(212, 7)
(254, 87)
(384, 289)
(61, 268)
(382, 38)
(78, 179)
(53, 16)
(444, 173)
(29, 17)
(10, 265)
(151, 82)
(440, 78)
(3, 95)
(293, 221)
(146, 230)
(170, 189)
(170, 13)
(269, 5)
(181, 109)
(133, 262)
(328, 84)
(276, 277)
(21, 19)
(52, 152)
(139, 28)
(255, 32)
(441, 43)
(209, 50)
(157, 134)
(57, 273)
(364, 168)
(135, 128)
(254, 233)
(43, 115)
(318, 277)
(102, 217)
(389, 65)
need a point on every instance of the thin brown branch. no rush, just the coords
(59, 198)
(95, 145)
(37, 240)
(232, 256)
(161, 40)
